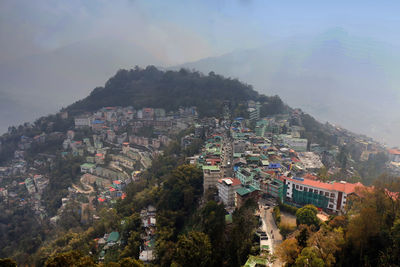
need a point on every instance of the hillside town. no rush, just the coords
(264, 159)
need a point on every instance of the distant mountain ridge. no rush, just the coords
(43, 83)
(334, 76)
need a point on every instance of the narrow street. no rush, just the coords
(269, 226)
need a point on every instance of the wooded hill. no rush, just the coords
(170, 90)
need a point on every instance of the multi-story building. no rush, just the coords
(211, 175)
(277, 188)
(298, 144)
(394, 155)
(331, 196)
(226, 190)
(83, 121)
(245, 193)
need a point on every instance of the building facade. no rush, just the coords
(226, 190)
(331, 196)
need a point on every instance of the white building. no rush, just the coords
(310, 161)
(331, 195)
(298, 144)
(83, 121)
(226, 190)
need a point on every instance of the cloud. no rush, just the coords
(31, 27)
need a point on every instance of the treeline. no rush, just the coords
(170, 90)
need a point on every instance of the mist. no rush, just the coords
(54, 53)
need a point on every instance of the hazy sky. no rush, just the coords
(179, 31)
(55, 52)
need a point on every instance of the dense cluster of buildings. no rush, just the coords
(115, 144)
(273, 160)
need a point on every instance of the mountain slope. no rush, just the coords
(171, 90)
(333, 76)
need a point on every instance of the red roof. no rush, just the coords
(101, 199)
(235, 181)
(310, 176)
(392, 195)
(213, 161)
(112, 189)
(117, 182)
(345, 187)
(123, 196)
(394, 151)
(295, 159)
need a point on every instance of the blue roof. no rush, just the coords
(239, 119)
(97, 122)
(274, 165)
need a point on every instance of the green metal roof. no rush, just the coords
(211, 168)
(228, 218)
(113, 237)
(88, 165)
(245, 190)
(253, 159)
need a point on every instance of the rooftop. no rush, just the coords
(211, 168)
(345, 187)
(245, 190)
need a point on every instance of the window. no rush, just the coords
(301, 188)
(321, 193)
(315, 191)
(326, 194)
(332, 195)
(331, 206)
(297, 186)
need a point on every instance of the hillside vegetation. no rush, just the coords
(170, 90)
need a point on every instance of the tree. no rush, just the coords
(71, 258)
(130, 262)
(288, 251)
(241, 233)
(193, 249)
(8, 262)
(307, 215)
(303, 236)
(338, 221)
(212, 222)
(327, 243)
(309, 258)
